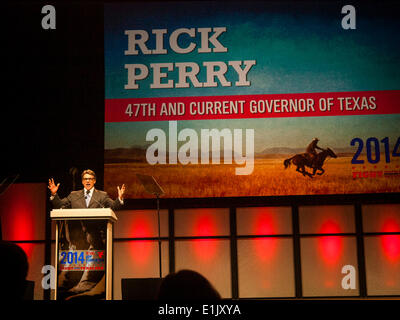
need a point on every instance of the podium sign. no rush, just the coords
(83, 257)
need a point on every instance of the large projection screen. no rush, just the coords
(223, 99)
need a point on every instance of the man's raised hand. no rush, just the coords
(121, 191)
(53, 187)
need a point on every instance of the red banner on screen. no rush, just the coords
(253, 106)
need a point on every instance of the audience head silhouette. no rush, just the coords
(187, 285)
(14, 269)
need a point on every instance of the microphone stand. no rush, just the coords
(152, 187)
(159, 234)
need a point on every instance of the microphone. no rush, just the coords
(81, 196)
(101, 205)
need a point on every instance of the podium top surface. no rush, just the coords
(83, 214)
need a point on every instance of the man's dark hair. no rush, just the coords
(88, 171)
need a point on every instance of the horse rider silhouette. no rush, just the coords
(311, 149)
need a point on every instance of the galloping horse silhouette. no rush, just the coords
(316, 162)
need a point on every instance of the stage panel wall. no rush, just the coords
(138, 259)
(23, 218)
(265, 267)
(211, 258)
(381, 218)
(322, 261)
(382, 263)
(140, 224)
(326, 219)
(381, 223)
(264, 220)
(202, 222)
(23, 212)
(264, 241)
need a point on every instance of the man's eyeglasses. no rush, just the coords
(89, 179)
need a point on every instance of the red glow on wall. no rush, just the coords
(391, 247)
(22, 224)
(23, 212)
(264, 224)
(141, 227)
(204, 249)
(141, 252)
(391, 243)
(330, 226)
(204, 225)
(330, 248)
(390, 225)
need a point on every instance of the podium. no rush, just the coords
(83, 253)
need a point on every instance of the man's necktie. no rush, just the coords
(87, 198)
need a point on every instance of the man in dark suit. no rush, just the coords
(89, 197)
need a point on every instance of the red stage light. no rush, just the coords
(391, 247)
(330, 226)
(141, 227)
(22, 222)
(264, 224)
(204, 225)
(23, 212)
(390, 225)
(391, 243)
(141, 252)
(331, 248)
(21, 225)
